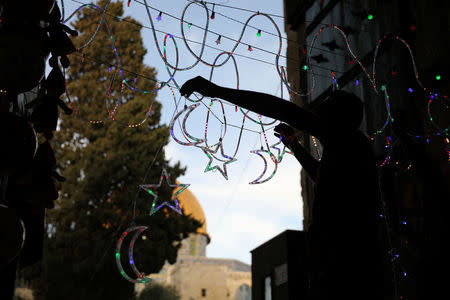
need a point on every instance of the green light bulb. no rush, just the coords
(438, 77)
(258, 34)
(370, 17)
(305, 67)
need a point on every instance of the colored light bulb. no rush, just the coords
(438, 77)
(305, 67)
(410, 90)
(370, 17)
(258, 34)
(383, 87)
(159, 18)
(250, 48)
(189, 25)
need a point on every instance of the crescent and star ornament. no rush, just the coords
(228, 159)
(155, 207)
(172, 124)
(141, 278)
(273, 158)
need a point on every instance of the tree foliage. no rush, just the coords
(159, 292)
(104, 163)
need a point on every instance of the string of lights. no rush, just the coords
(369, 16)
(258, 34)
(129, 71)
(138, 75)
(212, 47)
(316, 66)
(163, 56)
(259, 31)
(284, 38)
(213, 32)
(326, 68)
(236, 8)
(218, 49)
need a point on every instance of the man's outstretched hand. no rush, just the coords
(200, 85)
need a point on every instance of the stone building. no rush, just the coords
(197, 277)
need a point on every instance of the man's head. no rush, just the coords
(340, 109)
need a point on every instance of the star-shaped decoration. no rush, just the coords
(155, 207)
(281, 152)
(228, 159)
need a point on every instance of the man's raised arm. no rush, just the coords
(261, 103)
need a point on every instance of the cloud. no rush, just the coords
(241, 233)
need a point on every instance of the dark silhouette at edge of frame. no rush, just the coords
(342, 251)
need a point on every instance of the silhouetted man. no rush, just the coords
(342, 239)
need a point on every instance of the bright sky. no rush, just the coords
(239, 216)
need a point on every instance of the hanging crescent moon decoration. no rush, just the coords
(274, 159)
(183, 126)
(172, 123)
(141, 278)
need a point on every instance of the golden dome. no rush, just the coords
(191, 207)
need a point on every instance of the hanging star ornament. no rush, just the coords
(281, 151)
(155, 206)
(210, 153)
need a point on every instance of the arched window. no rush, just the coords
(244, 292)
